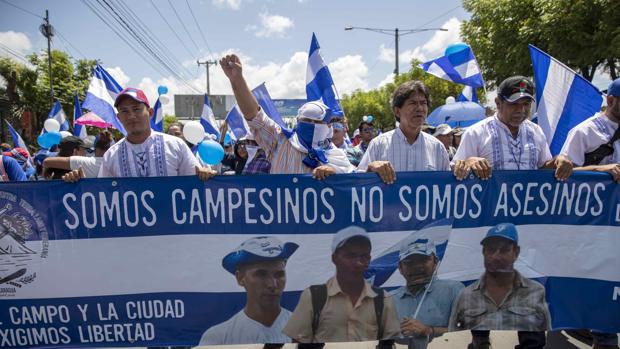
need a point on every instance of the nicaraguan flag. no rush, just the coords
(59, 115)
(563, 98)
(468, 95)
(18, 141)
(319, 82)
(460, 67)
(207, 118)
(383, 266)
(78, 130)
(239, 126)
(157, 120)
(100, 97)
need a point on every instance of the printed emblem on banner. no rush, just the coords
(23, 243)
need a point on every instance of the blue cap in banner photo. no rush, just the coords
(503, 230)
(614, 88)
(414, 245)
(258, 249)
(345, 234)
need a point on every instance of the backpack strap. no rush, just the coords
(319, 298)
(378, 300)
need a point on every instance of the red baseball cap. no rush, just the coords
(134, 93)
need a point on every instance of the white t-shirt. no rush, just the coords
(491, 139)
(588, 136)
(159, 155)
(425, 154)
(89, 164)
(240, 329)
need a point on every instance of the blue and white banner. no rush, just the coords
(59, 115)
(157, 120)
(139, 262)
(78, 130)
(458, 65)
(100, 97)
(563, 98)
(319, 83)
(467, 95)
(207, 119)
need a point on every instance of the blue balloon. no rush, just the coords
(227, 139)
(49, 139)
(370, 118)
(457, 53)
(211, 152)
(162, 90)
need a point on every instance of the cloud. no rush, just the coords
(350, 73)
(119, 75)
(15, 41)
(271, 26)
(233, 4)
(433, 48)
(388, 79)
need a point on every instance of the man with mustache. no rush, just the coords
(508, 141)
(424, 304)
(502, 299)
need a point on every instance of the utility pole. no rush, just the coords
(207, 63)
(48, 31)
(396, 33)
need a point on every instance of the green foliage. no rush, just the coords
(32, 83)
(377, 102)
(583, 34)
(169, 119)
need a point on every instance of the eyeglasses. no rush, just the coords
(368, 130)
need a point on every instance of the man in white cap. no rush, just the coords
(347, 308)
(307, 150)
(258, 264)
(425, 302)
(444, 134)
(502, 299)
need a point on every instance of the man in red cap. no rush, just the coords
(144, 152)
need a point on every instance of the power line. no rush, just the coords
(23, 9)
(14, 53)
(183, 24)
(198, 25)
(62, 37)
(171, 28)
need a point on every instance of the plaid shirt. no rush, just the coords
(258, 165)
(523, 309)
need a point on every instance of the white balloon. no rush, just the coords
(193, 132)
(450, 100)
(164, 99)
(65, 134)
(51, 125)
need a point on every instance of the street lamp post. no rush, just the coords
(396, 33)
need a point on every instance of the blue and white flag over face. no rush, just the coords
(100, 97)
(319, 82)
(563, 98)
(458, 65)
(207, 118)
(18, 141)
(236, 123)
(468, 95)
(78, 130)
(157, 120)
(59, 115)
(383, 266)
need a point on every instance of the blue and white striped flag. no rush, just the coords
(468, 95)
(239, 126)
(59, 115)
(319, 82)
(207, 119)
(100, 97)
(383, 266)
(459, 66)
(563, 98)
(157, 120)
(78, 130)
(18, 141)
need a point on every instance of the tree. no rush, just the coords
(31, 83)
(377, 102)
(583, 34)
